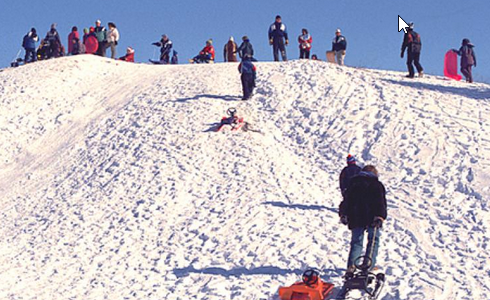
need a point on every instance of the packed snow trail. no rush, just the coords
(117, 187)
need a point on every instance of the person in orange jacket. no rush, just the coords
(206, 55)
(129, 57)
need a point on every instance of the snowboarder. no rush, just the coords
(165, 45)
(364, 209)
(73, 34)
(230, 51)
(278, 38)
(339, 46)
(175, 58)
(129, 57)
(53, 42)
(413, 44)
(468, 59)
(29, 45)
(248, 71)
(112, 38)
(304, 44)
(206, 55)
(245, 48)
(101, 35)
(348, 173)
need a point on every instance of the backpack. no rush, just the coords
(247, 67)
(414, 42)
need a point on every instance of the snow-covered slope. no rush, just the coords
(115, 186)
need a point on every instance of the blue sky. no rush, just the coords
(369, 26)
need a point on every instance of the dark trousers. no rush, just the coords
(30, 55)
(466, 70)
(278, 45)
(101, 50)
(304, 53)
(413, 59)
(248, 84)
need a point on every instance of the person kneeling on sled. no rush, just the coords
(206, 55)
(364, 209)
(468, 59)
(248, 71)
(129, 57)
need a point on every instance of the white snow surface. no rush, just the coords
(115, 186)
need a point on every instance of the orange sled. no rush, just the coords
(311, 288)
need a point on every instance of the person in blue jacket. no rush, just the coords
(165, 45)
(245, 48)
(339, 46)
(468, 59)
(29, 44)
(278, 38)
(351, 170)
(248, 74)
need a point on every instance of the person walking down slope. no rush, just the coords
(165, 45)
(206, 55)
(364, 209)
(304, 44)
(350, 171)
(413, 44)
(112, 39)
(248, 73)
(101, 35)
(54, 43)
(468, 59)
(29, 44)
(245, 48)
(278, 38)
(339, 46)
(230, 51)
(73, 34)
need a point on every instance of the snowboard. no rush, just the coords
(331, 56)
(451, 65)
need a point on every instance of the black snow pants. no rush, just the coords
(248, 84)
(413, 58)
(304, 53)
(278, 45)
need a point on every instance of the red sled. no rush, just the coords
(301, 291)
(451, 65)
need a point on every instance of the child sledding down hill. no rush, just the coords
(206, 55)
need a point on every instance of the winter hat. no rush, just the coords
(351, 159)
(175, 52)
(410, 25)
(130, 50)
(33, 30)
(85, 30)
(92, 29)
(164, 36)
(74, 28)
(244, 38)
(210, 41)
(53, 26)
(278, 17)
(232, 39)
(338, 30)
(466, 42)
(98, 22)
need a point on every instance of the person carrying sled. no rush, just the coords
(101, 35)
(304, 41)
(206, 55)
(54, 43)
(248, 73)
(230, 51)
(73, 34)
(245, 48)
(339, 46)
(468, 59)
(350, 171)
(413, 44)
(29, 44)
(165, 45)
(364, 209)
(278, 38)
(129, 57)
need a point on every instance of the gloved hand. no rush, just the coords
(271, 41)
(287, 42)
(377, 222)
(401, 55)
(156, 44)
(344, 220)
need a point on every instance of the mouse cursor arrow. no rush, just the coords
(402, 25)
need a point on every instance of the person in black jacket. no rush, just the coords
(348, 173)
(413, 44)
(364, 209)
(165, 45)
(339, 46)
(245, 48)
(468, 59)
(278, 37)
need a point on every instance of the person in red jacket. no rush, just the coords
(129, 57)
(304, 41)
(206, 55)
(73, 35)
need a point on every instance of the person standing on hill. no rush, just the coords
(339, 46)
(54, 42)
(413, 44)
(248, 73)
(245, 48)
(348, 173)
(29, 45)
(112, 39)
(101, 35)
(364, 209)
(230, 50)
(73, 34)
(304, 44)
(468, 59)
(165, 45)
(278, 38)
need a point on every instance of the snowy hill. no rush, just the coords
(115, 187)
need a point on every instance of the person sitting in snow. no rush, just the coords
(348, 173)
(29, 44)
(248, 71)
(206, 55)
(165, 45)
(364, 209)
(129, 57)
(468, 59)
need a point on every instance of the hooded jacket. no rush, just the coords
(467, 54)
